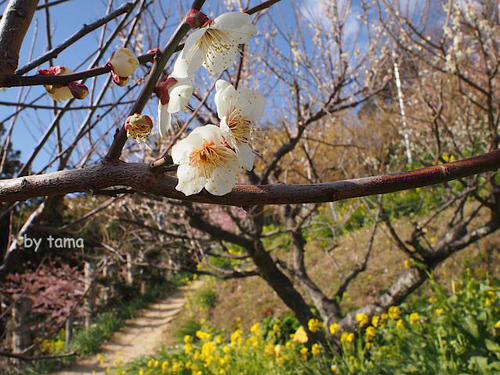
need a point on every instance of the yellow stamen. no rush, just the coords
(239, 126)
(209, 157)
(216, 42)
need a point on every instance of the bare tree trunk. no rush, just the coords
(21, 335)
(69, 331)
(90, 296)
(130, 271)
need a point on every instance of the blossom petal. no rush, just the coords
(192, 40)
(179, 94)
(225, 96)
(164, 119)
(182, 149)
(60, 94)
(192, 54)
(190, 181)
(246, 156)
(223, 179)
(184, 68)
(217, 63)
(251, 103)
(231, 21)
(238, 25)
(227, 132)
(209, 133)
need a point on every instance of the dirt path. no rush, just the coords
(141, 336)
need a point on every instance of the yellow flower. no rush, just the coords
(237, 338)
(407, 264)
(394, 312)
(414, 318)
(432, 300)
(278, 350)
(254, 341)
(164, 367)
(439, 311)
(362, 319)
(101, 359)
(375, 320)
(300, 335)
(226, 349)
(314, 325)
(347, 338)
(203, 336)
(370, 333)
(256, 329)
(188, 339)
(219, 340)
(400, 324)
(141, 371)
(334, 369)
(188, 348)
(497, 325)
(334, 328)
(208, 349)
(269, 349)
(304, 352)
(488, 302)
(316, 350)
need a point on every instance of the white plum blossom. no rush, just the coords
(205, 161)
(237, 109)
(123, 64)
(215, 44)
(173, 95)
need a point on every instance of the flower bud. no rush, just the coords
(66, 91)
(162, 89)
(123, 64)
(138, 126)
(78, 90)
(197, 19)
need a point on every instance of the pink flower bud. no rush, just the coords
(197, 19)
(161, 90)
(78, 90)
(138, 126)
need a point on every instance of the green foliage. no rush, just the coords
(206, 298)
(446, 334)
(187, 328)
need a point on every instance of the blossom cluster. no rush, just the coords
(211, 156)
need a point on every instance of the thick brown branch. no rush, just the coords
(13, 27)
(139, 177)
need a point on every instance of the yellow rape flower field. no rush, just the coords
(456, 333)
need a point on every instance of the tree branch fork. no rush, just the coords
(141, 178)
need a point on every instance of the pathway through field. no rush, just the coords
(141, 336)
